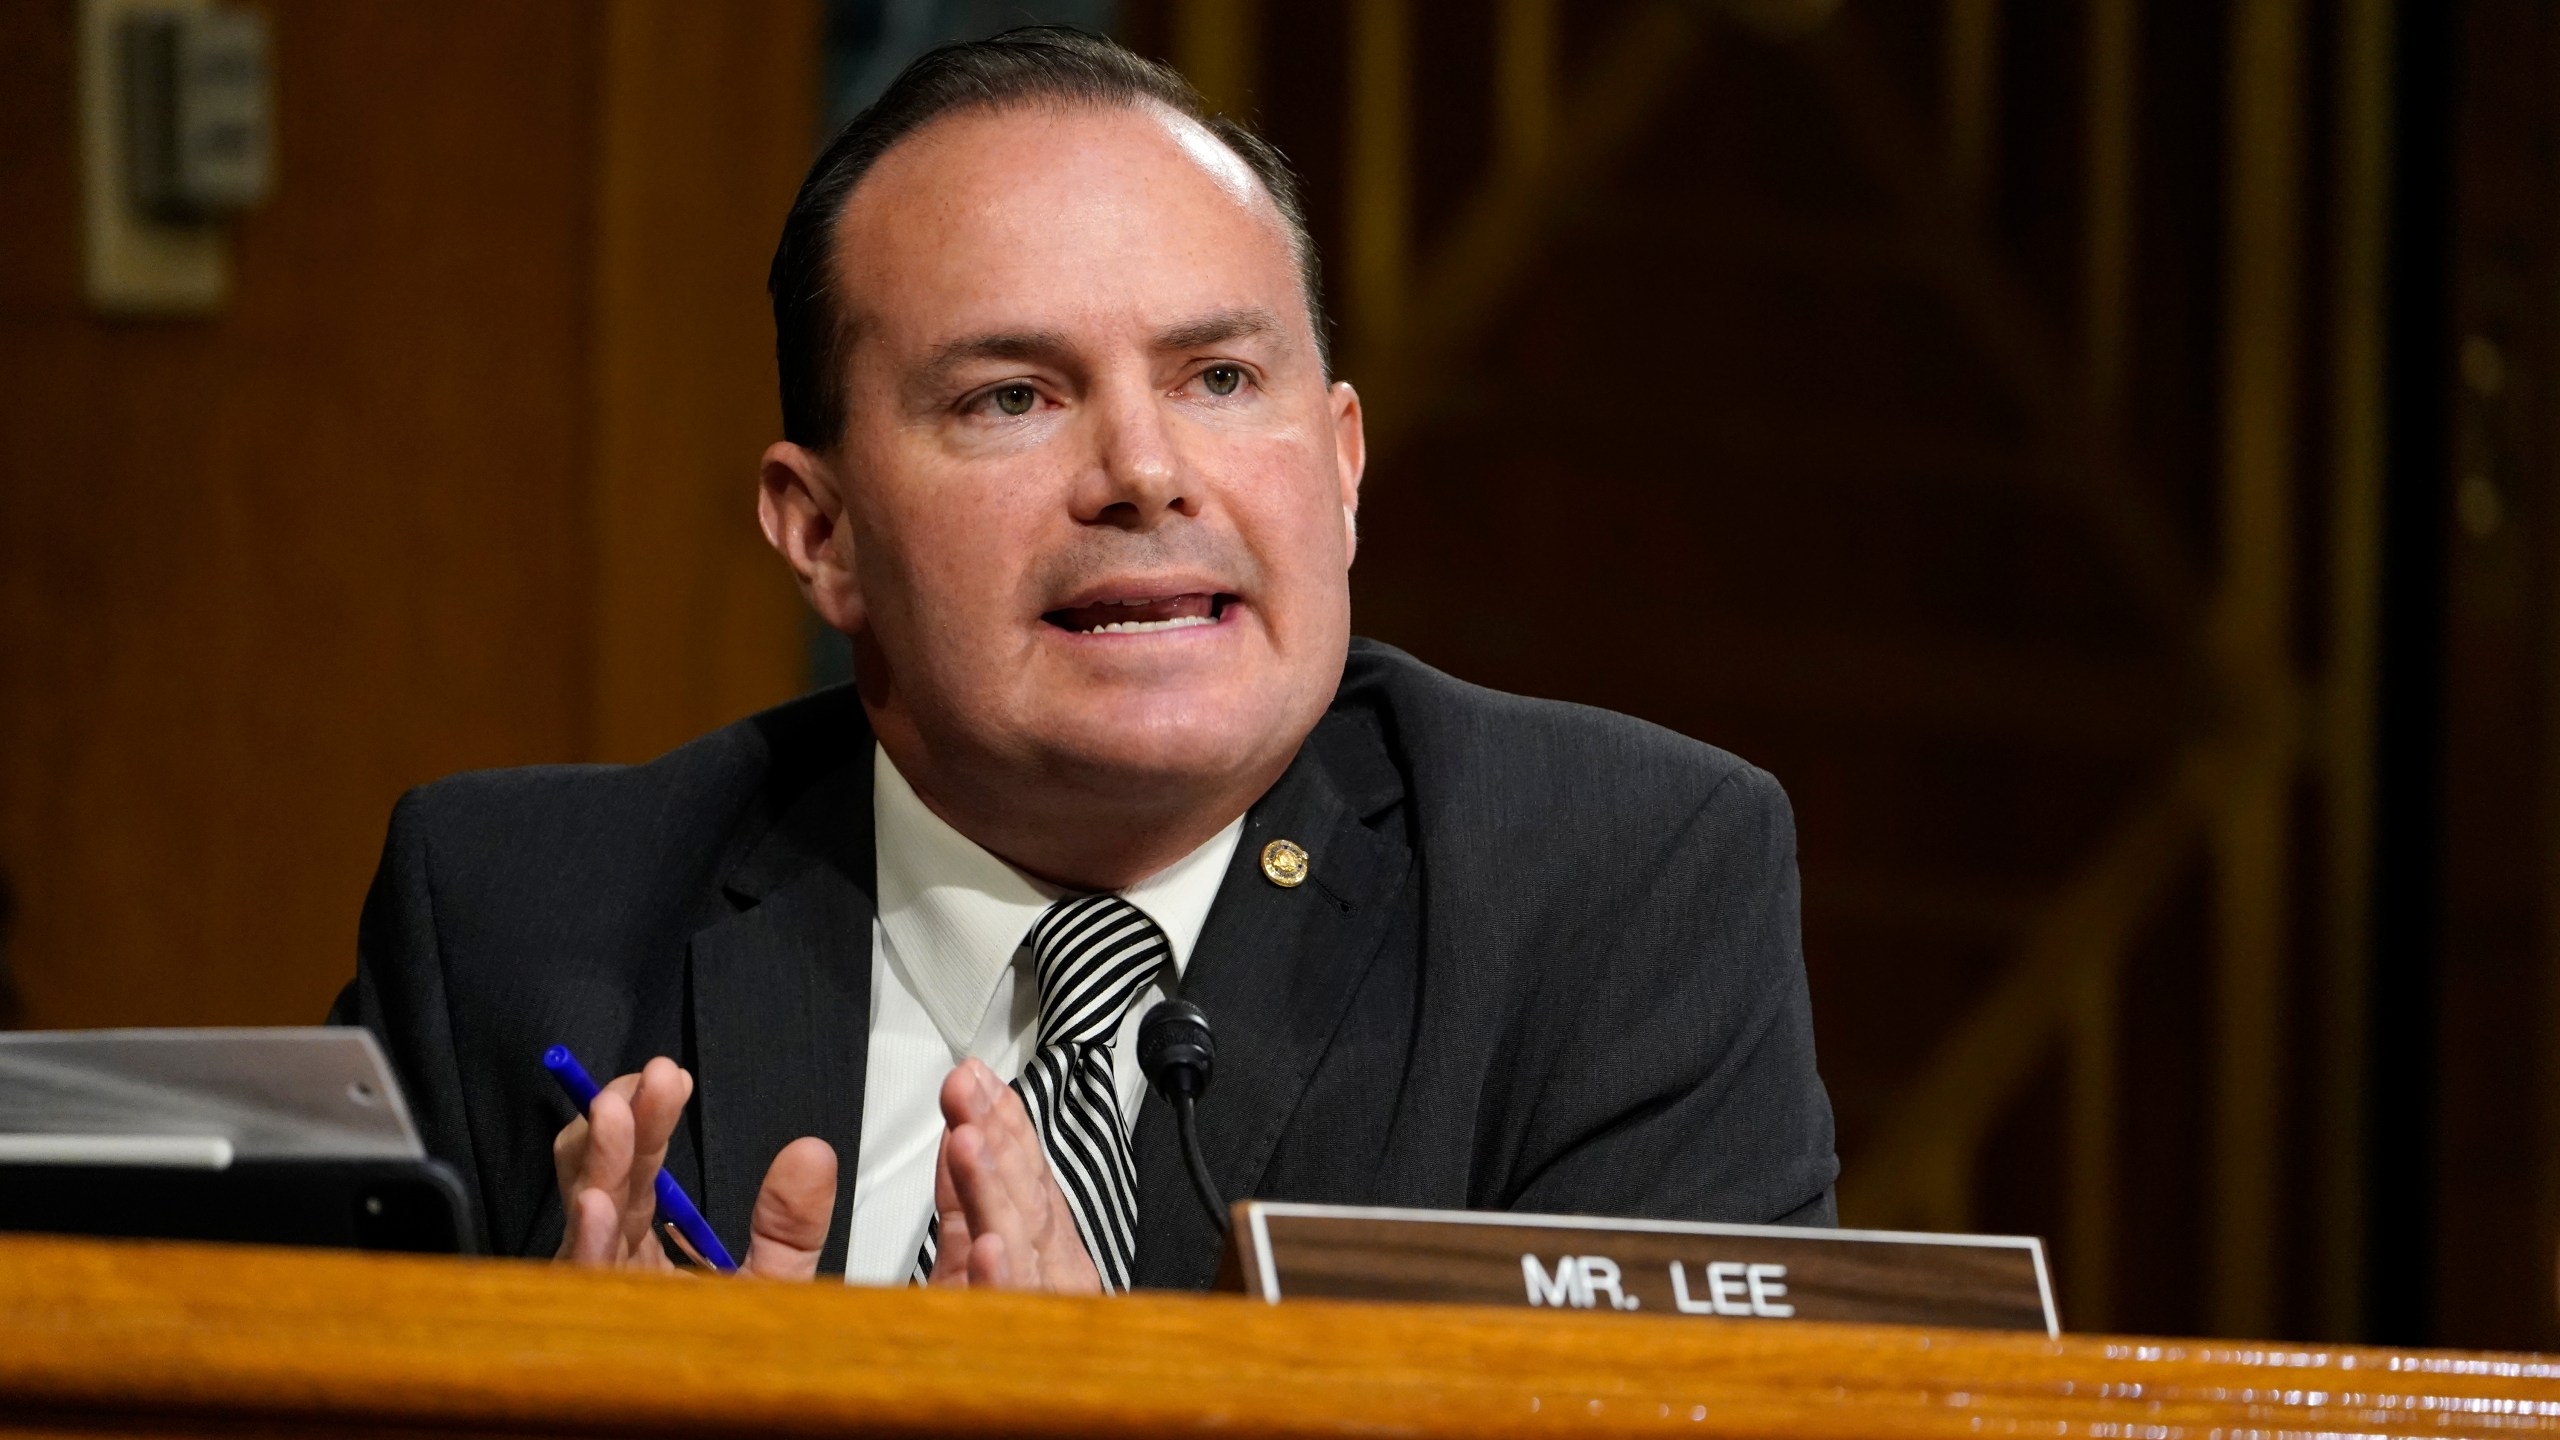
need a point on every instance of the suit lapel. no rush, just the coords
(780, 998)
(1276, 969)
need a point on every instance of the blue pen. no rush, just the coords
(581, 1087)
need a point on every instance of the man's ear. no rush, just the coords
(800, 501)
(1350, 460)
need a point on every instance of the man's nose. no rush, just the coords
(1138, 478)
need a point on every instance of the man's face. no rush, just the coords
(1096, 493)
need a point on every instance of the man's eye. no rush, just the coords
(1016, 399)
(1222, 379)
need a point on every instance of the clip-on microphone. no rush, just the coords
(1176, 1052)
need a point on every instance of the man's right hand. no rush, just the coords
(608, 1165)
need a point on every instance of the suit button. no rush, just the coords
(1284, 864)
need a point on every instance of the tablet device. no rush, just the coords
(293, 1136)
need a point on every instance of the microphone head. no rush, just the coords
(1175, 1050)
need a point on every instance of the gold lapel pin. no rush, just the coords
(1284, 863)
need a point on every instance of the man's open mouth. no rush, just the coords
(1140, 615)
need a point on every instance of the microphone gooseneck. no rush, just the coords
(1176, 1052)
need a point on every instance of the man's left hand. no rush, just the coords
(1005, 1223)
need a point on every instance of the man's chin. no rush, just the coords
(1177, 749)
(1170, 762)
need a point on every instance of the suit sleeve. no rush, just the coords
(1676, 1039)
(399, 994)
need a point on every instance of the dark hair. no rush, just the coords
(1052, 63)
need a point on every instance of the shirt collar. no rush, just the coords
(955, 913)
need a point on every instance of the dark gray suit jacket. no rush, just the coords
(1547, 960)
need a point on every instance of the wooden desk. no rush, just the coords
(135, 1339)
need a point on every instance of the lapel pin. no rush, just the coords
(1284, 864)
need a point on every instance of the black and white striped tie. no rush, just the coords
(1092, 954)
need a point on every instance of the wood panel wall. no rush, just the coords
(1970, 411)
(462, 475)
(2489, 1165)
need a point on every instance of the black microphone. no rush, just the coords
(1176, 1052)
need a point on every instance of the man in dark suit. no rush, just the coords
(1064, 461)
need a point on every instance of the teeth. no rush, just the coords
(1140, 627)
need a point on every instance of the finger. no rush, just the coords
(665, 1088)
(610, 1109)
(608, 1159)
(600, 1201)
(1021, 1161)
(991, 1147)
(569, 1155)
(990, 1203)
(1000, 1102)
(1065, 1265)
(569, 1148)
(1004, 1123)
(991, 1265)
(964, 1101)
(951, 1234)
(594, 1228)
(657, 1102)
(1016, 1148)
(792, 1212)
(964, 1094)
(633, 1187)
(1049, 1253)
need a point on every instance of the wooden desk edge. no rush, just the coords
(149, 1338)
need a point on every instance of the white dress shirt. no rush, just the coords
(951, 977)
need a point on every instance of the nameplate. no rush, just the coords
(1646, 1267)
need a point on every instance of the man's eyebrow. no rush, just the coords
(1217, 328)
(1214, 328)
(1023, 345)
